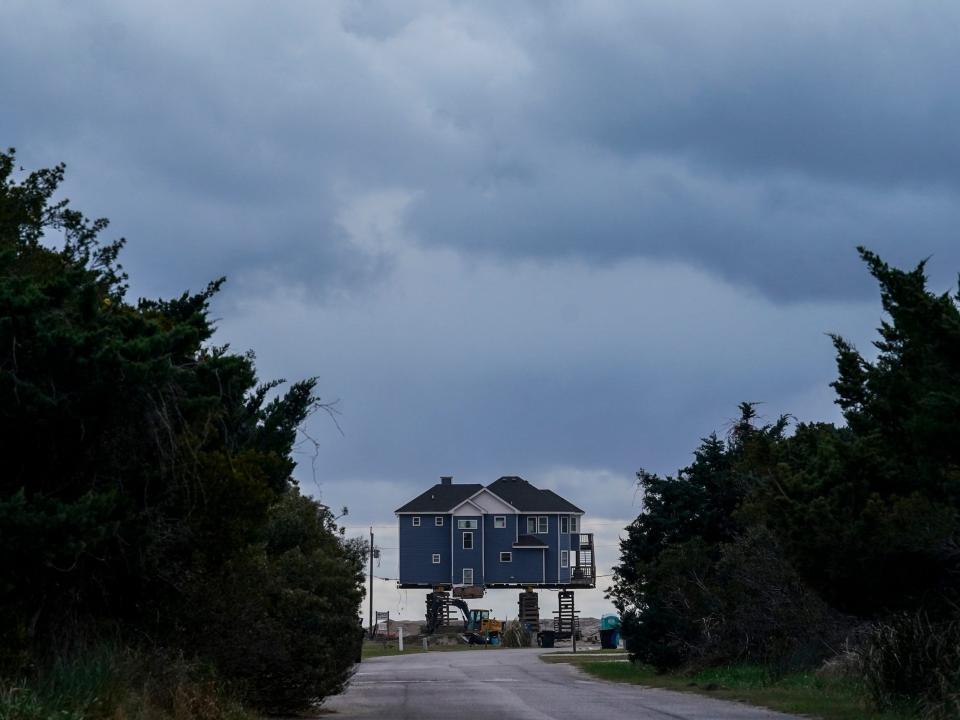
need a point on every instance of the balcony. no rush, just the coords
(583, 567)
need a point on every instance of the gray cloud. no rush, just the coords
(749, 139)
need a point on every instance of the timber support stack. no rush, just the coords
(565, 623)
(529, 610)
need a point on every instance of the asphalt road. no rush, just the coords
(507, 684)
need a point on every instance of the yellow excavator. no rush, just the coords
(481, 629)
(478, 627)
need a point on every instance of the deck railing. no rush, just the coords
(583, 567)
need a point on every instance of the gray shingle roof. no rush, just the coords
(514, 490)
(526, 498)
(440, 498)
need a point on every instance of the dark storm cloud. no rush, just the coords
(757, 141)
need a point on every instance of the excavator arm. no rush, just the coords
(437, 603)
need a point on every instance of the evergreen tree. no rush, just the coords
(142, 465)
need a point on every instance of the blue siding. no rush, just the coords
(418, 544)
(526, 565)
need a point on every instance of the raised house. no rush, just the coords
(508, 534)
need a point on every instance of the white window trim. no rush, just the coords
(464, 543)
(564, 558)
(466, 524)
(508, 555)
(438, 520)
(574, 524)
(564, 521)
(465, 571)
(436, 558)
(415, 521)
(534, 519)
(546, 522)
(499, 522)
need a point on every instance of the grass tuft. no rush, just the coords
(802, 693)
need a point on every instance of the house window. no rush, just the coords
(506, 557)
(537, 524)
(468, 576)
(468, 541)
(564, 558)
(467, 524)
(416, 521)
(573, 524)
(438, 520)
(436, 558)
(499, 521)
(564, 524)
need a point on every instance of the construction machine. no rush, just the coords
(478, 627)
(481, 629)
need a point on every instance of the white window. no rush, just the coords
(468, 576)
(499, 521)
(467, 524)
(468, 541)
(564, 524)
(564, 558)
(531, 525)
(542, 524)
(438, 520)
(436, 558)
(416, 521)
(573, 524)
(506, 557)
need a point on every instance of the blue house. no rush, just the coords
(508, 534)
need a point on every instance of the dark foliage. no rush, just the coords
(142, 465)
(770, 547)
(913, 662)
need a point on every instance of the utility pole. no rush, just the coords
(370, 617)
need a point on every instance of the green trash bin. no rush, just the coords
(547, 638)
(610, 622)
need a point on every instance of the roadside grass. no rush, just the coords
(801, 693)
(111, 681)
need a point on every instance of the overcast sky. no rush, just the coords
(555, 239)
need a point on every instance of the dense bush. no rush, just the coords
(110, 680)
(277, 620)
(910, 661)
(143, 468)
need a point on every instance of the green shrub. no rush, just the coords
(282, 620)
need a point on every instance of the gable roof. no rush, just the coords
(526, 498)
(440, 498)
(513, 490)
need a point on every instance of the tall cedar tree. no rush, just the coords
(141, 465)
(869, 512)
